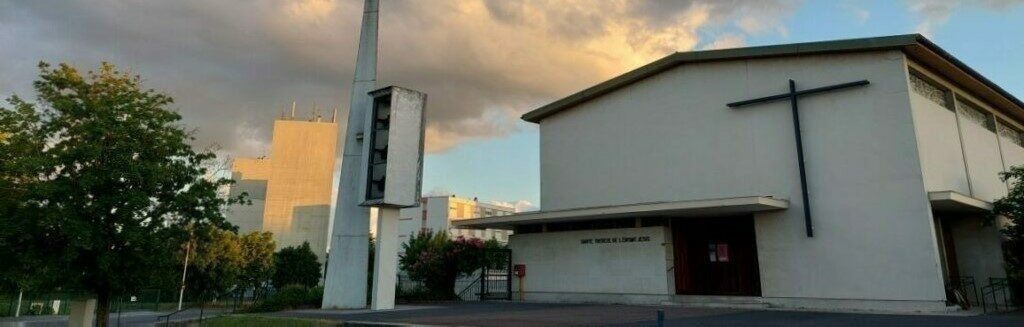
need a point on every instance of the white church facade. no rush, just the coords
(654, 189)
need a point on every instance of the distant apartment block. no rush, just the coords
(291, 189)
(436, 213)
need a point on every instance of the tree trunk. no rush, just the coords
(102, 308)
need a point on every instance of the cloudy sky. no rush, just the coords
(235, 65)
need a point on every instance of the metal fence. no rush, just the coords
(492, 281)
(34, 304)
(998, 295)
(467, 288)
(58, 303)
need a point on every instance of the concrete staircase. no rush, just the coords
(718, 301)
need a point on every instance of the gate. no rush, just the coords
(496, 275)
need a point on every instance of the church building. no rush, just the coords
(851, 174)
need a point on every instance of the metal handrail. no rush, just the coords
(167, 317)
(967, 287)
(202, 309)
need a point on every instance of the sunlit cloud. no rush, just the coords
(519, 205)
(857, 12)
(726, 41)
(312, 9)
(935, 13)
(232, 65)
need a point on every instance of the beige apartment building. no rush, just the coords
(437, 213)
(291, 189)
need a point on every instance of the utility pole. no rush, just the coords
(184, 270)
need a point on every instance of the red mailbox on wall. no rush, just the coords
(520, 270)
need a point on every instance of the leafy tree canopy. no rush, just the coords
(1011, 207)
(216, 263)
(257, 258)
(296, 265)
(98, 181)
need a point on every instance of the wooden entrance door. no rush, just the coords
(716, 256)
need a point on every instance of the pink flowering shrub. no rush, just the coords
(437, 260)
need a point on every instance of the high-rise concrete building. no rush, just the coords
(290, 190)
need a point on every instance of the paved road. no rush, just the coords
(538, 314)
(138, 318)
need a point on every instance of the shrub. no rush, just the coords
(437, 261)
(292, 296)
(296, 265)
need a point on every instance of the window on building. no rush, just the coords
(718, 251)
(1010, 134)
(930, 90)
(972, 113)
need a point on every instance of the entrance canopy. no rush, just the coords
(680, 209)
(953, 202)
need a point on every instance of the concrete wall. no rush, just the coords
(938, 138)
(978, 249)
(1013, 153)
(291, 190)
(559, 267)
(670, 137)
(984, 162)
(248, 218)
(939, 133)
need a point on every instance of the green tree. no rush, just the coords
(22, 254)
(257, 258)
(103, 180)
(216, 263)
(296, 265)
(1012, 208)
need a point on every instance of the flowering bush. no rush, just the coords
(437, 260)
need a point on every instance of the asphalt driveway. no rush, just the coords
(543, 314)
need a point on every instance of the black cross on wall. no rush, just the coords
(792, 96)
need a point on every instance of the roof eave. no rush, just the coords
(902, 42)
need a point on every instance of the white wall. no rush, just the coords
(977, 245)
(983, 161)
(938, 138)
(942, 154)
(670, 137)
(978, 249)
(558, 264)
(1013, 154)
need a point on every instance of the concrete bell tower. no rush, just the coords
(382, 167)
(345, 281)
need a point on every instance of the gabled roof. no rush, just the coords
(914, 45)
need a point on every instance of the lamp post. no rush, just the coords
(184, 270)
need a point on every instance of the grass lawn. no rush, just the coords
(259, 321)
